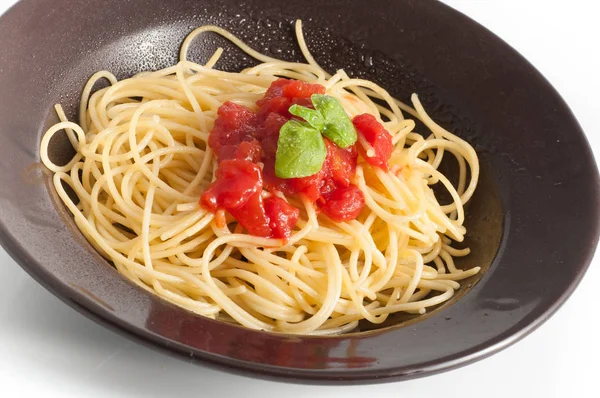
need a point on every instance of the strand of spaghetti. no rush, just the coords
(46, 142)
(459, 274)
(456, 252)
(304, 48)
(93, 233)
(334, 289)
(438, 130)
(70, 133)
(226, 34)
(375, 88)
(85, 94)
(214, 59)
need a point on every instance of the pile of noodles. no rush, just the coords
(143, 161)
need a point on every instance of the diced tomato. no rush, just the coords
(227, 152)
(249, 150)
(341, 163)
(268, 134)
(246, 150)
(236, 123)
(344, 204)
(300, 89)
(310, 186)
(291, 89)
(238, 189)
(274, 90)
(237, 180)
(306, 102)
(337, 170)
(277, 105)
(274, 183)
(284, 93)
(377, 136)
(274, 101)
(283, 217)
(253, 217)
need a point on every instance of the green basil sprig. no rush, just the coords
(301, 150)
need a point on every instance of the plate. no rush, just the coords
(533, 222)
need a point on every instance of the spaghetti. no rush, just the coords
(143, 161)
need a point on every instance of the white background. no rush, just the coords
(49, 350)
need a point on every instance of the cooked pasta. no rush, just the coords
(143, 161)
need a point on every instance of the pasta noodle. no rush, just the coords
(142, 161)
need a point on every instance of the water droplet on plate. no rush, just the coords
(276, 48)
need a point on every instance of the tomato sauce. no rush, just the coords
(380, 140)
(242, 139)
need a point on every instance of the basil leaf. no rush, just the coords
(313, 117)
(338, 126)
(301, 150)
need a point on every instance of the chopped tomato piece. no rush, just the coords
(277, 105)
(237, 180)
(284, 93)
(341, 163)
(344, 204)
(274, 90)
(237, 190)
(249, 150)
(274, 101)
(274, 183)
(246, 150)
(236, 123)
(283, 217)
(300, 89)
(337, 170)
(268, 134)
(306, 102)
(310, 186)
(378, 138)
(253, 217)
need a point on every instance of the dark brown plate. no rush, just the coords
(534, 219)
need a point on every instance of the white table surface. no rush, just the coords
(49, 350)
